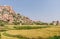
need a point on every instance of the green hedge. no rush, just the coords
(29, 27)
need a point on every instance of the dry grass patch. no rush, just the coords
(35, 33)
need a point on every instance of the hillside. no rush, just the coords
(8, 15)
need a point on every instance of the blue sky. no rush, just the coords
(43, 10)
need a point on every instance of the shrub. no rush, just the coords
(40, 23)
(29, 27)
(2, 30)
(51, 23)
(1, 24)
(16, 23)
(55, 37)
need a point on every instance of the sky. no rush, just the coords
(42, 10)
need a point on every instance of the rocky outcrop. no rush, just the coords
(8, 14)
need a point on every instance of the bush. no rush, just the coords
(51, 23)
(29, 27)
(2, 30)
(40, 23)
(16, 23)
(55, 37)
(1, 24)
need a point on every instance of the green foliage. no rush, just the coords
(2, 23)
(2, 30)
(27, 24)
(55, 37)
(29, 27)
(16, 23)
(51, 23)
(40, 23)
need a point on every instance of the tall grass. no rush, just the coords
(55, 37)
(29, 27)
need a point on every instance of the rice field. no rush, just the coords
(39, 33)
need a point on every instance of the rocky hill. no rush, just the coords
(8, 15)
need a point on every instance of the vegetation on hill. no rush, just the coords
(8, 15)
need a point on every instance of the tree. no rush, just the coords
(57, 22)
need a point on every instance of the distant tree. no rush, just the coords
(51, 24)
(57, 22)
(16, 23)
(40, 23)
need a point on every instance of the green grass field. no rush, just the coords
(30, 32)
